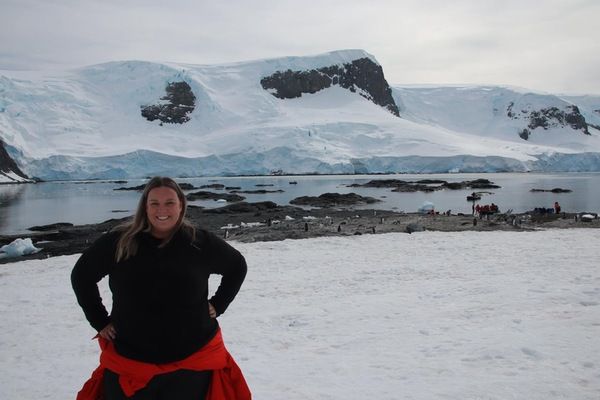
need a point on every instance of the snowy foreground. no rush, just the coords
(469, 315)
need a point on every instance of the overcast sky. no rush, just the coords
(544, 45)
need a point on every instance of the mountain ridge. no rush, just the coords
(93, 118)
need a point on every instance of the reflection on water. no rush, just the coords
(9, 194)
(23, 206)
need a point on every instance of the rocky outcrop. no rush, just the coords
(258, 191)
(174, 107)
(9, 169)
(333, 200)
(244, 207)
(555, 190)
(427, 185)
(552, 116)
(202, 195)
(362, 76)
(549, 117)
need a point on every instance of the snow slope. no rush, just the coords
(87, 123)
(427, 316)
(497, 112)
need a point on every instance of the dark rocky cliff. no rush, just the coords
(174, 107)
(362, 75)
(7, 164)
(549, 117)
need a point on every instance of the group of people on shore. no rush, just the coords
(556, 209)
(490, 209)
(485, 210)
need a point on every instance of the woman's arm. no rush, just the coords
(94, 264)
(228, 262)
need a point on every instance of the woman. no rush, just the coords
(161, 339)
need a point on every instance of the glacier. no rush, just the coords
(86, 124)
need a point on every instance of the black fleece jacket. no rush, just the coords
(160, 295)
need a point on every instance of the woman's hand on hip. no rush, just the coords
(211, 311)
(108, 332)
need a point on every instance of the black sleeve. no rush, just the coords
(228, 262)
(93, 265)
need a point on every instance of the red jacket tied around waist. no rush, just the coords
(227, 382)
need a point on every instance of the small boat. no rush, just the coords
(293, 183)
(473, 197)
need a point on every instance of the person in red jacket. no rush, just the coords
(556, 207)
(161, 339)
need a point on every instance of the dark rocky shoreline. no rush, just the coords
(266, 221)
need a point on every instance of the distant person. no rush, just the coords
(493, 208)
(161, 339)
(556, 207)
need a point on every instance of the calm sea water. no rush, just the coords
(23, 206)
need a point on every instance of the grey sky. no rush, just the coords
(545, 45)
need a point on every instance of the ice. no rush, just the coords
(17, 248)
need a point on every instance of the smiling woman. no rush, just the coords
(164, 211)
(160, 211)
(158, 267)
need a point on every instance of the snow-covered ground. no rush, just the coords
(430, 315)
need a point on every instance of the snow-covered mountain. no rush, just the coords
(330, 113)
(504, 113)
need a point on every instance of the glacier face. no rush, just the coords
(86, 123)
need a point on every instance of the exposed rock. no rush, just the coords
(202, 195)
(322, 222)
(362, 75)
(381, 183)
(217, 186)
(415, 187)
(183, 186)
(51, 227)
(414, 227)
(138, 188)
(243, 207)
(509, 111)
(431, 181)
(552, 116)
(259, 191)
(555, 190)
(524, 134)
(548, 117)
(8, 165)
(174, 106)
(186, 186)
(427, 185)
(333, 200)
(232, 188)
(480, 184)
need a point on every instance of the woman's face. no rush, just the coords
(163, 209)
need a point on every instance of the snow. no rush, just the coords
(86, 123)
(12, 177)
(472, 315)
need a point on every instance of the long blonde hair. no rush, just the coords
(127, 245)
